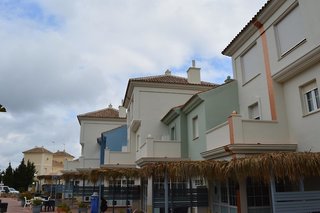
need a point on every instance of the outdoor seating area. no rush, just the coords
(26, 202)
(48, 205)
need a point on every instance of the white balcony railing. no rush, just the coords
(243, 131)
(160, 148)
(119, 157)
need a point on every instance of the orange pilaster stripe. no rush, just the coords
(230, 122)
(267, 70)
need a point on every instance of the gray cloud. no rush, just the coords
(63, 58)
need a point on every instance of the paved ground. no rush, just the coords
(14, 206)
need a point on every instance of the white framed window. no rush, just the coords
(137, 142)
(251, 62)
(311, 100)
(124, 183)
(198, 182)
(289, 30)
(173, 133)
(258, 195)
(195, 127)
(254, 112)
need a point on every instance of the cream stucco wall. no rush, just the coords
(150, 105)
(42, 162)
(303, 129)
(299, 129)
(90, 131)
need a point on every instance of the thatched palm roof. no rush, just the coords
(75, 175)
(282, 165)
(114, 173)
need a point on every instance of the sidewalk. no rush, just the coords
(14, 206)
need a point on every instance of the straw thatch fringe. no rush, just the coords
(283, 165)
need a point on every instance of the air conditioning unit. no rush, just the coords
(67, 195)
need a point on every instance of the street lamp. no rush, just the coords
(2, 174)
(36, 182)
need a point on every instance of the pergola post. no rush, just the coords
(166, 192)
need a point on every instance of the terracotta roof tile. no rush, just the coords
(62, 153)
(103, 113)
(170, 79)
(37, 150)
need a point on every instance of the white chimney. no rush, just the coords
(168, 72)
(194, 74)
(122, 112)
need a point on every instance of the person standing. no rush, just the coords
(104, 205)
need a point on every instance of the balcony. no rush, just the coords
(243, 136)
(160, 148)
(119, 158)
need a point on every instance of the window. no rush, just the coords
(251, 63)
(254, 112)
(257, 193)
(173, 133)
(229, 192)
(138, 142)
(311, 98)
(195, 127)
(124, 183)
(285, 185)
(289, 31)
(198, 182)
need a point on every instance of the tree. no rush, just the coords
(23, 175)
(8, 178)
(2, 108)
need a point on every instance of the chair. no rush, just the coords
(49, 205)
(27, 202)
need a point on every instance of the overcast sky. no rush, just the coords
(62, 58)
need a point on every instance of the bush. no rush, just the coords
(64, 207)
(83, 205)
(36, 202)
(26, 194)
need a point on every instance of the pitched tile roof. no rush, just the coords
(62, 153)
(166, 80)
(102, 113)
(37, 150)
(169, 79)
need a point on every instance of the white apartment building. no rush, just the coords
(276, 63)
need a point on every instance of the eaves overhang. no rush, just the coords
(298, 66)
(132, 84)
(249, 29)
(171, 115)
(80, 119)
(135, 124)
(111, 166)
(147, 160)
(192, 103)
(231, 149)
